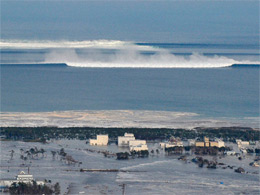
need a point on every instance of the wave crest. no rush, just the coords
(118, 54)
(131, 58)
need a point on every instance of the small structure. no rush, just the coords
(102, 140)
(207, 143)
(22, 177)
(123, 141)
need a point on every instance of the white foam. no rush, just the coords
(127, 55)
(132, 58)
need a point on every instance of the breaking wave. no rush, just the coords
(135, 59)
(119, 54)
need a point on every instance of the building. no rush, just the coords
(137, 145)
(128, 140)
(174, 142)
(123, 141)
(207, 143)
(170, 145)
(218, 143)
(102, 140)
(22, 177)
(140, 147)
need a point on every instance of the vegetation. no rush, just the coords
(126, 155)
(142, 153)
(174, 150)
(210, 150)
(33, 188)
(122, 156)
(41, 134)
(201, 162)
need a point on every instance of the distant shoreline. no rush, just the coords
(122, 119)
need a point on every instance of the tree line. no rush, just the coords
(42, 134)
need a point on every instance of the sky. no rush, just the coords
(139, 21)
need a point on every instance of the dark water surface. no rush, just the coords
(224, 92)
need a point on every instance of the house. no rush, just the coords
(22, 177)
(102, 140)
(123, 141)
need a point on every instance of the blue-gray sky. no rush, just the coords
(145, 21)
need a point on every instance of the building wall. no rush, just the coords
(137, 142)
(102, 140)
(221, 144)
(139, 148)
(206, 143)
(92, 142)
(214, 144)
(129, 135)
(124, 141)
(199, 144)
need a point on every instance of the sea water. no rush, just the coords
(109, 75)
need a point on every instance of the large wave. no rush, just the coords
(122, 54)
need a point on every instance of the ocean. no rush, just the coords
(116, 75)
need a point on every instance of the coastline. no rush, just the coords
(122, 119)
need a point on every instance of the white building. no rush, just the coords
(22, 177)
(102, 140)
(137, 145)
(140, 147)
(123, 141)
